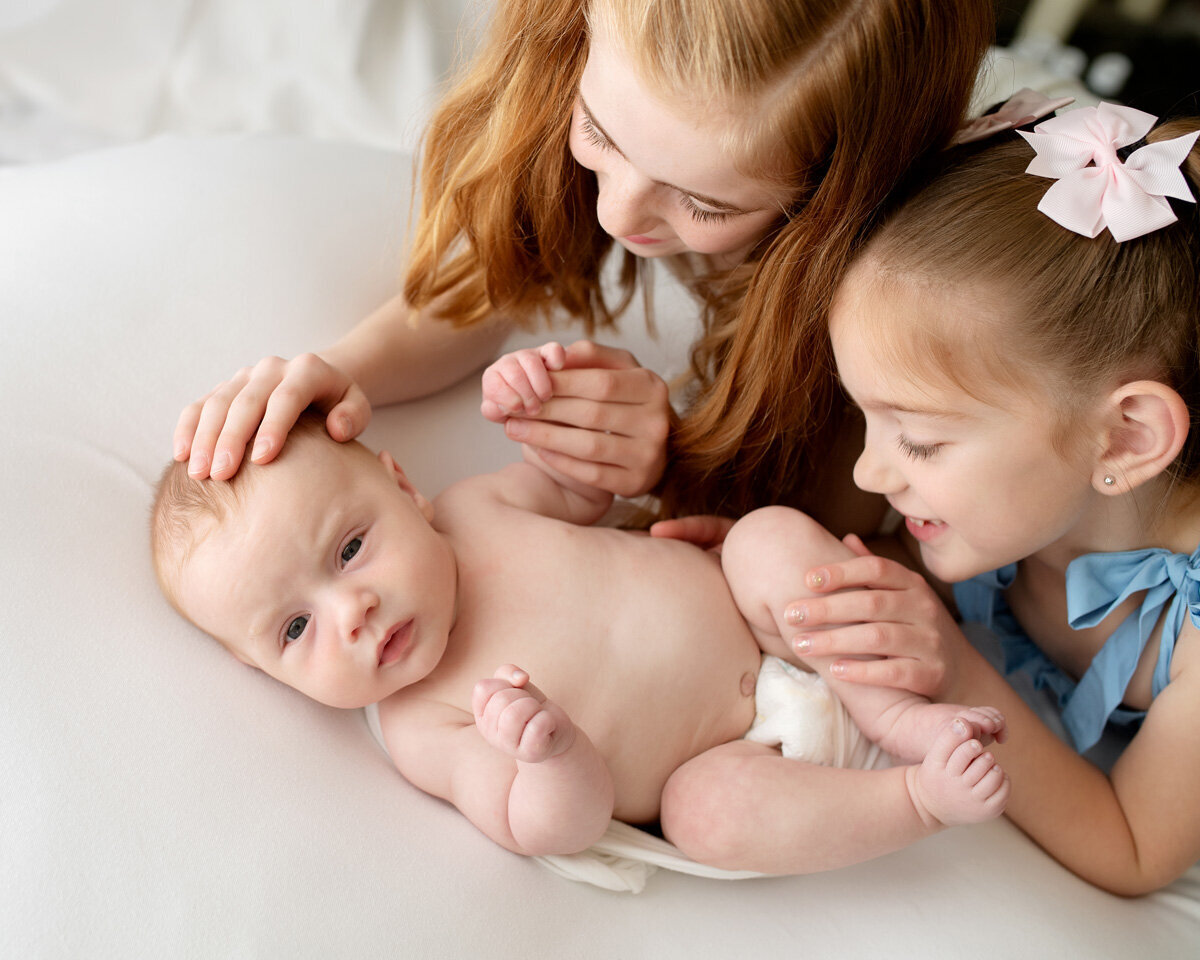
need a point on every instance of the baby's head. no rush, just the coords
(971, 312)
(321, 569)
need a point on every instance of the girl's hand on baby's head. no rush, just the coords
(515, 717)
(263, 402)
(881, 609)
(605, 423)
(519, 382)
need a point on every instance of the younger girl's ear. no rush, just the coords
(401, 480)
(1145, 428)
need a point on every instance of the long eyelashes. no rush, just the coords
(698, 213)
(917, 451)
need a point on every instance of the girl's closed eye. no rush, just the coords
(917, 451)
(702, 214)
(592, 135)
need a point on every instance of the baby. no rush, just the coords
(327, 570)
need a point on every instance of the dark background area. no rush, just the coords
(1163, 53)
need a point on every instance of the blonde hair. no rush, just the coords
(846, 96)
(1064, 313)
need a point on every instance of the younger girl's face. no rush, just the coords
(979, 484)
(666, 184)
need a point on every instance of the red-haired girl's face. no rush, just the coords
(667, 183)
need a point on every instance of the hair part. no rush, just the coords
(1064, 314)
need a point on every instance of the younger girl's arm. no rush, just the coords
(382, 360)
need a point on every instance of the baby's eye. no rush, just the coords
(350, 549)
(295, 629)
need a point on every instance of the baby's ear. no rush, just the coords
(400, 478)
(1146, 424)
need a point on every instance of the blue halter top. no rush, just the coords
(1096, 584)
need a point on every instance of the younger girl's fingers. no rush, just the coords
(865, 570)
(855, 543)
(704, 530)
(897, 673)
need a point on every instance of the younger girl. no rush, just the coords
(749, 143)
(1023, 339)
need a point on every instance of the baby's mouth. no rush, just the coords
(396, 644)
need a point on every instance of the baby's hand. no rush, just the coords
(519, 382)
(515, 717)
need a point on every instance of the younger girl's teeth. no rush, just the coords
(918, 522)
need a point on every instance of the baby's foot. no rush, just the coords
(913, 734)
(957, 782)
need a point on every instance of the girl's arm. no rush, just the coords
(1131, 832)
(522, 772)
(382, 360)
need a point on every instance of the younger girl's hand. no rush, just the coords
(604, 421)
(888, 612)
(263, 402)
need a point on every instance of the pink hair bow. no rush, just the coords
(1095, 189)
(1021, 108)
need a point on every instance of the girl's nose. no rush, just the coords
(875, 474)
(625, 206)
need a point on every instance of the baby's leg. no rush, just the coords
(742, 806)
(765, 557)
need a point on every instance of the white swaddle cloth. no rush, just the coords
(796, 711)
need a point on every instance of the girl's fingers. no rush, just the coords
(588, 445)
(897, 673)
(208, 429)
(868, 570)
(704, 530)
(859, 606)
(587, 353)
(602, 476)
(635, 385)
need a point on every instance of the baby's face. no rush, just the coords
(328, 576)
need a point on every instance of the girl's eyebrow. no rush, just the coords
(708, 201)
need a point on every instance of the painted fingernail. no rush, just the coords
(803, 645)
(796, 615)
(818, 578)
(838, 669)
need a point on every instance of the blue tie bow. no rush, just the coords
(1097, 583)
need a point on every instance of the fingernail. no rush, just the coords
(262, 446)
(803, 645)
(344, 425)
(223, 460)
(180, 450)
(818, 578)
(516, 429)
(838, 669)
(197, 465)
(795, 615)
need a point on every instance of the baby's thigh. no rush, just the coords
(766, 555)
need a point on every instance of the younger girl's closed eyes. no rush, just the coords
(1023, 339)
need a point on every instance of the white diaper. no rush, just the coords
(796, 711)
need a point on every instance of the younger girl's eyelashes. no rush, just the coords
(917, 451)
(698, 213)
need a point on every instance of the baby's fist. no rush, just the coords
(515, 717)
(519, 382)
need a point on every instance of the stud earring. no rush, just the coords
(1109, 480)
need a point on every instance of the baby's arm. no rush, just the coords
(764, 556)
(522, 772)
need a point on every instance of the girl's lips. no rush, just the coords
(638, 238)
(924, 530)
(399, 639)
